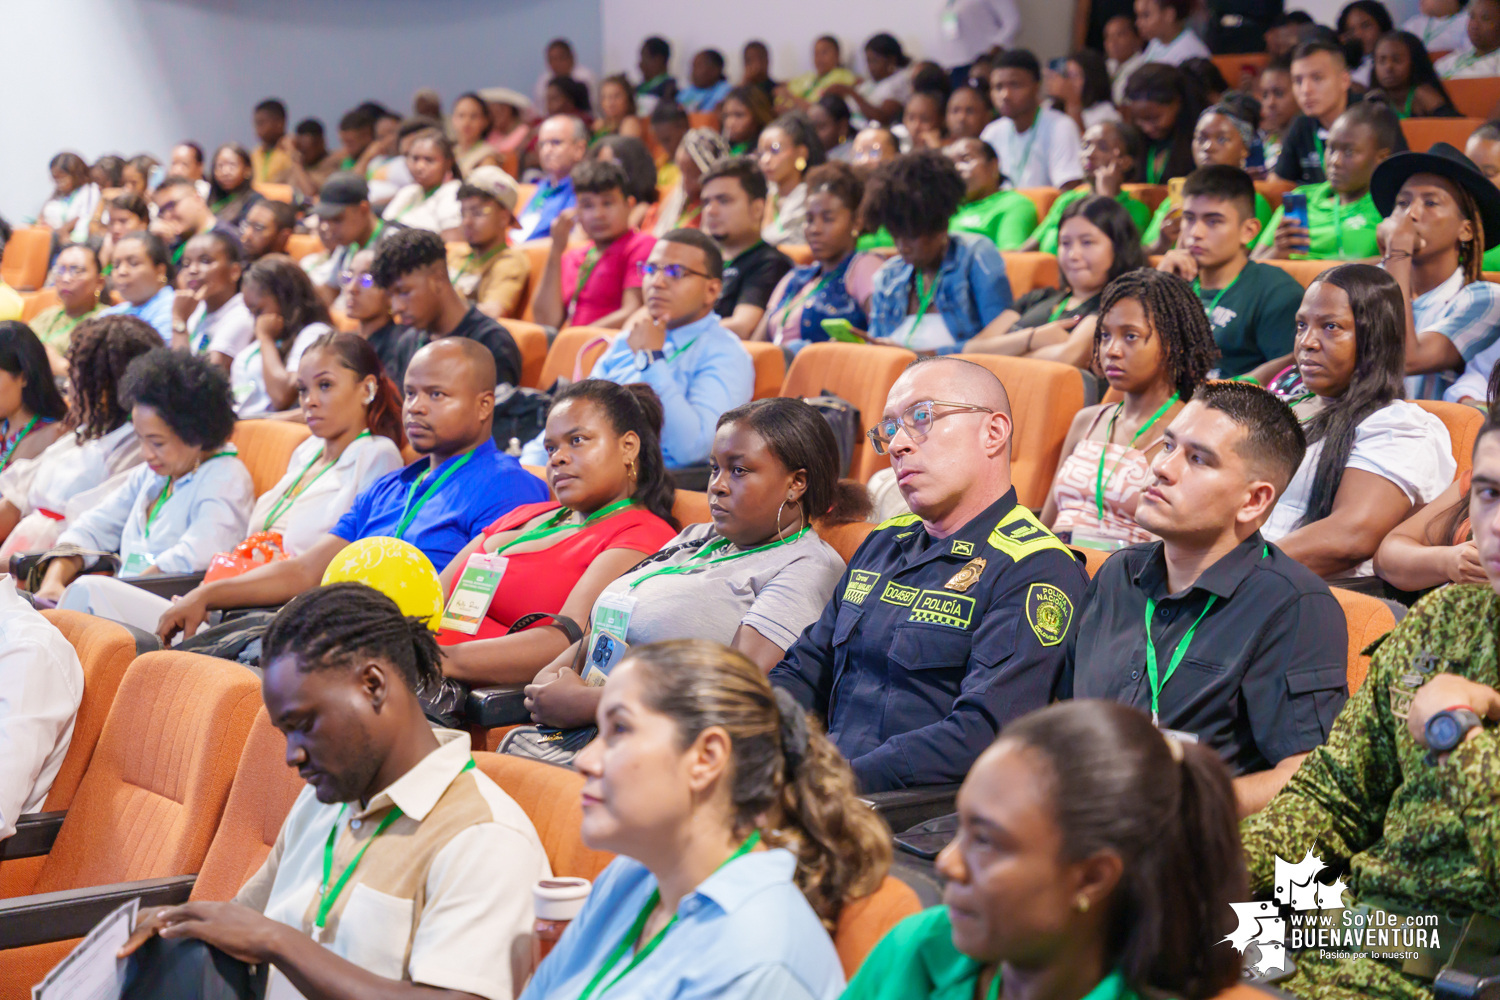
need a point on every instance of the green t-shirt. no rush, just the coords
(916, 960)
(870, 241)
(1256, 318)
(1338, 232)
(1047, 234)
(1491, 260)
(1006, 217)
(1153, 231)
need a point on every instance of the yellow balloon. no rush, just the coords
(397, 569)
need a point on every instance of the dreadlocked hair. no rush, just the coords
(98, 353)
(1176, 314)
(331, 626)
(1471, 251)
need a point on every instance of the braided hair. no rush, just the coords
(331, 626)
(1471, 251)
(98, 353)
(1177, 316)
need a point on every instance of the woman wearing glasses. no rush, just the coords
(79, 284)
(788, 147)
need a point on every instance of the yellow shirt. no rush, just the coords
(667, 176)
(271, 167)
(11, 303)
(500, 281)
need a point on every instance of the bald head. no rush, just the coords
(469, 361)
(450, 397)
(959, 381)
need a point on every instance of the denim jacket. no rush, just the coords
(972, 289)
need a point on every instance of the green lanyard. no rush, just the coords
(331, 896)
(5, 461)
(289, 497)
(1062, 307)
(709, 550)
(633, 936)
(1036, 126)
(585, 271)
(479, 263)
(1177, 655)
(1153, 172)
(555, 525)
(219, 205)
(1318, 146)
(266, 152)
(1198, 291)
(177, 254)
(1411, 95)
(673, 356)
(166, 493)
(1338, 224)
(804, 297)
(426, 197)
(1109, 436)
(408, 512)
(924, 300)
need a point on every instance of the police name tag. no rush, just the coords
(612, 614)
(135, 564)
(473, 592)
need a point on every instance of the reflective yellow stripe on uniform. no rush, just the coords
(1019, 534)
(899, 521)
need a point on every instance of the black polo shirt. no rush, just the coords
(1266, 672)
(751, 277)
(476, 326)
(387, 344)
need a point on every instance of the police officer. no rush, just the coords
(1403, 793)
(950, 621)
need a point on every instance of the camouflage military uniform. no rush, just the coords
(1422, 836)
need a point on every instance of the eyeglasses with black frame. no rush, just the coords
(674, 271)
(917, 419)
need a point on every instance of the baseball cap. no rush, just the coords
(496, 183)
(339, 192)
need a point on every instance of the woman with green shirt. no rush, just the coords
(1006, 217)
(1111, 153)
(1095, 859)
(79, 285)
(1224, 135)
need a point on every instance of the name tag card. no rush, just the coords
(474, 592)
(612, 614)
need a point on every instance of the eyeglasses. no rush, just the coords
(674, 271)
(71, 271)
(917, 419)
(350, 280)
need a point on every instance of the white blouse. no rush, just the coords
(434, 212)
(1401, 442)
(247, 378)
(68, 478)
(326, 497)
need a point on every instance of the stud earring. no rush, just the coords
(801, 164)
(1082, 902)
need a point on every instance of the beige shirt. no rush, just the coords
(442, 898)
(500, 281)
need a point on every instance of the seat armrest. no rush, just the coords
(34, 835)
(1480, 981)
(501, 705)
(904, 808)
(693, 478)
(72, 913)
(168, 585)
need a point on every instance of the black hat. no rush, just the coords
(340, 192)
(1448, 163)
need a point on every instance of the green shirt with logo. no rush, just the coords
(1047, 232)
(1255, 320)
(1338, 231)
(1006, 217)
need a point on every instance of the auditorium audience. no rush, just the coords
(788, 148)
(832, 122)
(752, 579)
(923, 121)
(1164, 104)
(32, 409)
(734, 197)
(508, 128)
(1155, 353)
(657, 83)
(837, 285)
(470, 122)
(1441, 25)
(1225, 134)
(561, 61)
(95, 448)
(343, 669)
(460, 485)
(190, 499)
(1278, 108)
(125, 213)
(1038, 146)
(745, 113)
(1405, 79)
(312, 161)
(682, 208)
(828, 70)
(1372, 458)
(489, 273)
(135, 175)
(1093, 856)
(1364, 22)
(288, 316)
(1082, 89)
(597, 282)
(1006, 217)
(267, 227)
(1479, 55)
(1164, 26)
(181, 214)
(230, 190)
(209, 315)
(74, 199)
(755, 61)
(568, 97)
(1124, 52)
(270, 161)
(617, 111)
(430, 202)
(879, 99)
(1109, 155)
(561, 142)
(734, 823)
(138, 275)
(79, 283)
(1320, 81)
(942, 288)
(707, 85)
(640, 169)
(370, 307)
(930, 649)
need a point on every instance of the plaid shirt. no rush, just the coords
(1468, 315)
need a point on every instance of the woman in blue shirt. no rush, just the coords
(1096, 857)
(944, 287)
(141, 277)
(705, 781)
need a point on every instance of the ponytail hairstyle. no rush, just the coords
(383, 413)
(787, 779)
(99, 351)
(280, 277)
(1379, 367)
(800, 438)
(1167, 809)
(633, 409)
(330, 626)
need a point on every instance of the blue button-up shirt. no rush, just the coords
(972, 290)
(476, 496)
(157, 310)
(703, 98)
(711, 376)
(746, 931)
(550, 199)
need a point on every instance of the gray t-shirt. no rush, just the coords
(778, 592)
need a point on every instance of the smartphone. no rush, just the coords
(1257, 157)
(1294, 207)
(841, 330)
(606, 653)
(1174, 190)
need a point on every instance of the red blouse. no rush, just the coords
(543, 579)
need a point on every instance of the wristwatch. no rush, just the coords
(1447, 729)
(644, 359)
(179, 326)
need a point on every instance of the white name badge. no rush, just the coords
(612, 614)
(474, 591)
(135, 564)
(1179, 735)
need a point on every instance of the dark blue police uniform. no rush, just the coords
(929, 646)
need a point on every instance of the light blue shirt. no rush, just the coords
(711, 376)
(745, 932)
(703, 98)
(208, 512)
(157, 310)
(535, 220)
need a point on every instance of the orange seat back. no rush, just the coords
(550, 795)
(562, 356)
(1423, 133)
(1242, 68)
(262, 794)
(24, 263)
(536, 257)
(1475, 97)
(860, 373)
(266, 447)
(770, 368)
(691, 507)
(299, 245)
(845, 538)
(531, 339)
(1032, 269)
(275, 192)
(1150, 194)
(801, 255)
(1044, 396)
(37, 302)
(1463, 423)
(1368, 618)
(343, 322)
(151, 799)
(1042, 198)
(704, 119)
(863, 922)
(1305, 271)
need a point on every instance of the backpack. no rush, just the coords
(520, 415)
(843, 418)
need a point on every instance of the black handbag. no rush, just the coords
(843, 417)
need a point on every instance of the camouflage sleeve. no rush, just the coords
(1475, 796)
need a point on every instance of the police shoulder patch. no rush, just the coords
(899, 521)
(1049, 612)
(1019, 534)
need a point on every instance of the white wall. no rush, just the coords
(788, 28)
(130, 76)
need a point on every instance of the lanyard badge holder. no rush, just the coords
(474, 591)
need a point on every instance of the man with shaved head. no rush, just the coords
(561, 143)
(439, 503)
(951, 620)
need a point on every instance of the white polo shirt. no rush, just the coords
(1046, 155)
(1178, 51)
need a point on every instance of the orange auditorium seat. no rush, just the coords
(299, 245)
(550, 796)
(863, 922)
(691, 507)
(24, 263)
(38, 302)
(1463, 423)
(1092, 558)
(562, 358)
(1236, 68)
(1368, 619)
(1272, 190)
(844, 538)
(1032, 269)
(704, 119)
(1044, 396)
(536, 256)
(1303, 270)
(860, 373)
(1476, 97)
(1152, 194)
(531, 339)
(524, 194)
(801, 255)
(1422, 133)
(266, 446)
(770, 368)
(1042, 198)
(275, 192)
